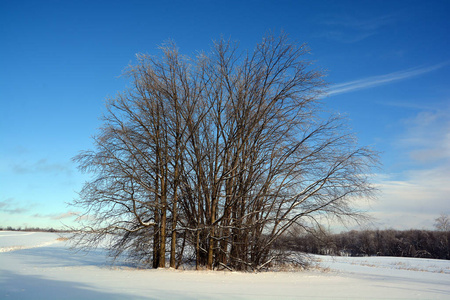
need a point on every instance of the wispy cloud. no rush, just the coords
(352, 29)
(373, 81)
(407, 105)
(57, 216)
(41, 166)
(359, 22)
(414, 200)
(10, 206)
(414, 197)
(428, 137)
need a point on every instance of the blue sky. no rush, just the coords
(388, 63)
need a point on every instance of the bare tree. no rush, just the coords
(227, 150)
(442, 223)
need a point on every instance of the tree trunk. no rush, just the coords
(173, 242)
(197, 250)
(156, 242)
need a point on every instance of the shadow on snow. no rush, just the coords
(17, 286)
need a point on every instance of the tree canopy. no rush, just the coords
(213, 158)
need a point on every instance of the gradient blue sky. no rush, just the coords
(388, 64)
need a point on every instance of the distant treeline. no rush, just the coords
(409, 243)
(34, 229)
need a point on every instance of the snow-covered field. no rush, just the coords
(38, 266)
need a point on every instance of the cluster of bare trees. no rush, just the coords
(215, 157)
(408, 243)
(33, 229)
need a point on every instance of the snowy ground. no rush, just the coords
(38, 266)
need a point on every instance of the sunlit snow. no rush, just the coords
(38, 266)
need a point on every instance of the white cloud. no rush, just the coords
(415, 201)
(416, 196)
(373, 81)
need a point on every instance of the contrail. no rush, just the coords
(381, 79)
